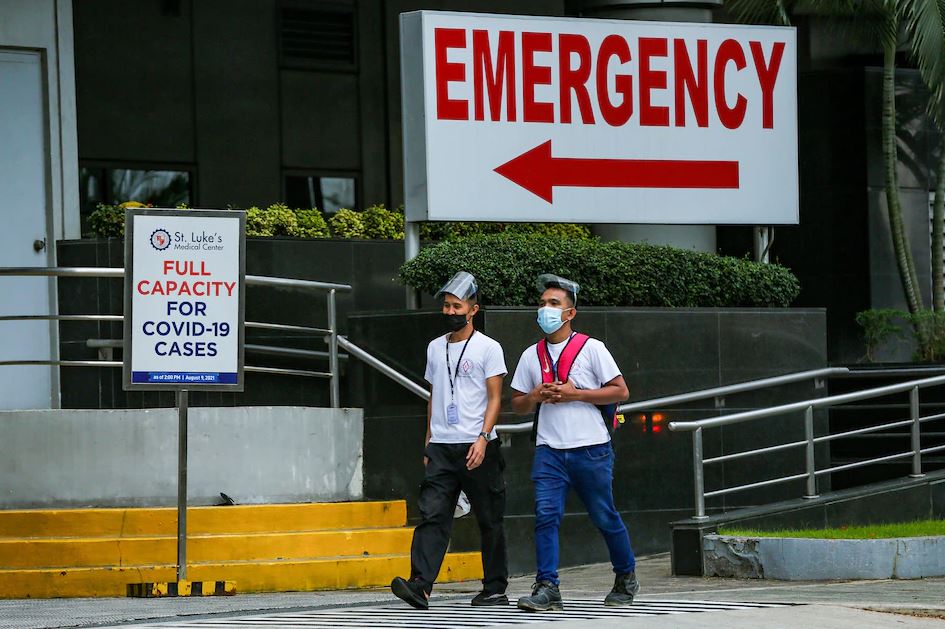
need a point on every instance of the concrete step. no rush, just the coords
(158, 550)
(250, 576)
(127, 522)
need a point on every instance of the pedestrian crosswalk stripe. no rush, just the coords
(455, 614)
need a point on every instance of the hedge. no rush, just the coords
(610, 273)
(373, 223)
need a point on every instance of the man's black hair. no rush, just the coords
(567, 291)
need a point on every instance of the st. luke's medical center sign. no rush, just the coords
(513, 118)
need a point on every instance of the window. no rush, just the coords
(157, 187)
(327, 193)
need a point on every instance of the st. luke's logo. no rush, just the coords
(160, 239)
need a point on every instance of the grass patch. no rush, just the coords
(919, 528)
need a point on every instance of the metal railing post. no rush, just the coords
(333, 350)
(811, 464)
(697, 473)
(916, 433)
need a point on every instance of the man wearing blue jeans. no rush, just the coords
(573, 442)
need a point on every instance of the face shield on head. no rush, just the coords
(549, 280)
(462, 285)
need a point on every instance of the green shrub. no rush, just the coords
(108, 221)
(281, 220)
(452, 231)
(311, 224)
(928, 331)
(879, 325)
(382, 224)
(347, 224)
(610, 273)
(256, 224)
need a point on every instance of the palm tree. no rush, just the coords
(925, 21)
(884, 23)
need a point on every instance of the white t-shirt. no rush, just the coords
(482, 359)
(569, 424)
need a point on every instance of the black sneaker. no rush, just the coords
(411, 592)
(484, 600)
(626, 587)
(545, 596)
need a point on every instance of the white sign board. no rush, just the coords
(513, 118)
(184, 299)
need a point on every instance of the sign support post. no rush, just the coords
(411, 249)
(182, 404)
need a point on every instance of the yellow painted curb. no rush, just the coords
(277, 576)
(149, 551)
(202, 520)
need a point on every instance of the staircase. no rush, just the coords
(263, 548)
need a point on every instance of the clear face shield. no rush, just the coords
(549, 280)
(462, 285)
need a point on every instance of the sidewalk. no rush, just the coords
(838, 604)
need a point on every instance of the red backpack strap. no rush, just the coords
(544, 361)
(569, 354)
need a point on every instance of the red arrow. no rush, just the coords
(538, 172)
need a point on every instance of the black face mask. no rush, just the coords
(454, 322)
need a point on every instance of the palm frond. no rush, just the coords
(925, 21)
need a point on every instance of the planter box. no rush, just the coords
(801, 559)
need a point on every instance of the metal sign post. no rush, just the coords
(182, 485)
(184, 315)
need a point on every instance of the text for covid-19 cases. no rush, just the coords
(189, 329)
(684, 74)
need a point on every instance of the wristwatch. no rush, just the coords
(485, 436)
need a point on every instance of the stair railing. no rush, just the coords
(811, 473)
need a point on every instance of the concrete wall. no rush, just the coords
(73, 458)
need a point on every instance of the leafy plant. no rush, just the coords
(311, 224)
(879, 325)
(929, 332)
(382, 224)
(347, 224)
(610, 273)
(451, 231)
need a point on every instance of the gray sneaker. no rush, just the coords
(626, 587)
(545, 596)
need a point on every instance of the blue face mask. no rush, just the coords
(549, 319)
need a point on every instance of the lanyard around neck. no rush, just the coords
(458, 361)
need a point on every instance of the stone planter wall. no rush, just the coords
(798, 559)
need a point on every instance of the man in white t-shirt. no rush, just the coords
(573, 447)
(465, 369)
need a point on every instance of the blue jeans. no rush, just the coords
(590, 470)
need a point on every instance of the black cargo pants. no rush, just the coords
(446, 475)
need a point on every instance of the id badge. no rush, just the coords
(452, 415)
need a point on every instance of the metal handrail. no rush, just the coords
(731, 389)
(719, 393)
(331, 332)
(808, 406)
(382, 367)
(823, 402)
